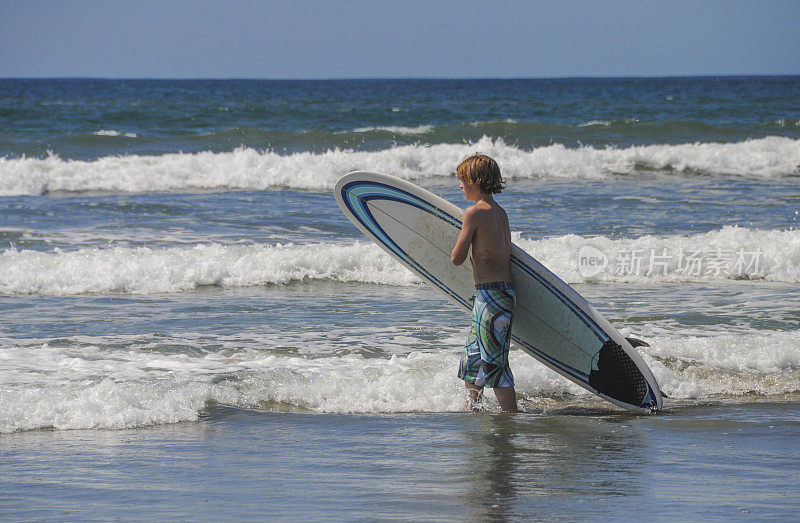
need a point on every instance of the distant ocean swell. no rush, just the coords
(525, 134)
(96, 383)
(247, 168)
(727, 254)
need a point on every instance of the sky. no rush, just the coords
(397, 39)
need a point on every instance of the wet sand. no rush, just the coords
(711, 461)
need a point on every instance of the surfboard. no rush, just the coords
(552, 322)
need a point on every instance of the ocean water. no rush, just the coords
(181, 296)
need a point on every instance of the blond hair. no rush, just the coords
(481, 170)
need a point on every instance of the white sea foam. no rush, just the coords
(112, 132)
(396, 129)
(751, 255)
(96, 383)
(250, 169)
(144, 270)
(729, 253)
(762, 363)
(481, 124)
(97, 386)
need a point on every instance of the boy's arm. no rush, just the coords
(468, 227)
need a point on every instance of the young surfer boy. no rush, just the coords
(485, 230)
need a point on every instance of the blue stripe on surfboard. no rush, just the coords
(365, 217)
(577, 374)
(377, 189)
(587, 320)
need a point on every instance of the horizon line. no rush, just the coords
(373, 78)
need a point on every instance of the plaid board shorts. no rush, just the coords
(485, 358)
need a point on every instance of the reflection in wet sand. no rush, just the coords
(525, 465)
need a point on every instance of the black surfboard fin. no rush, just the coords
(617, 376)
(637, 342)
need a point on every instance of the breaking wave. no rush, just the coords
(247, 168)
(727, 254)
(105, 383)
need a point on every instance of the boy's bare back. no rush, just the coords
(491, 241)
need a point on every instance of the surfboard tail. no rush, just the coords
(617, 376)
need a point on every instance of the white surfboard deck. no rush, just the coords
(552, 322)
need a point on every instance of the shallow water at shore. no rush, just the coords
(711, 461)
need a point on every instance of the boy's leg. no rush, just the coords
(493, 327)
(507, 398)
(473, 395)
(469, 369)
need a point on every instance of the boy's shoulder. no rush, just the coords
(483, 213)
(476, 211)
(484, 208)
